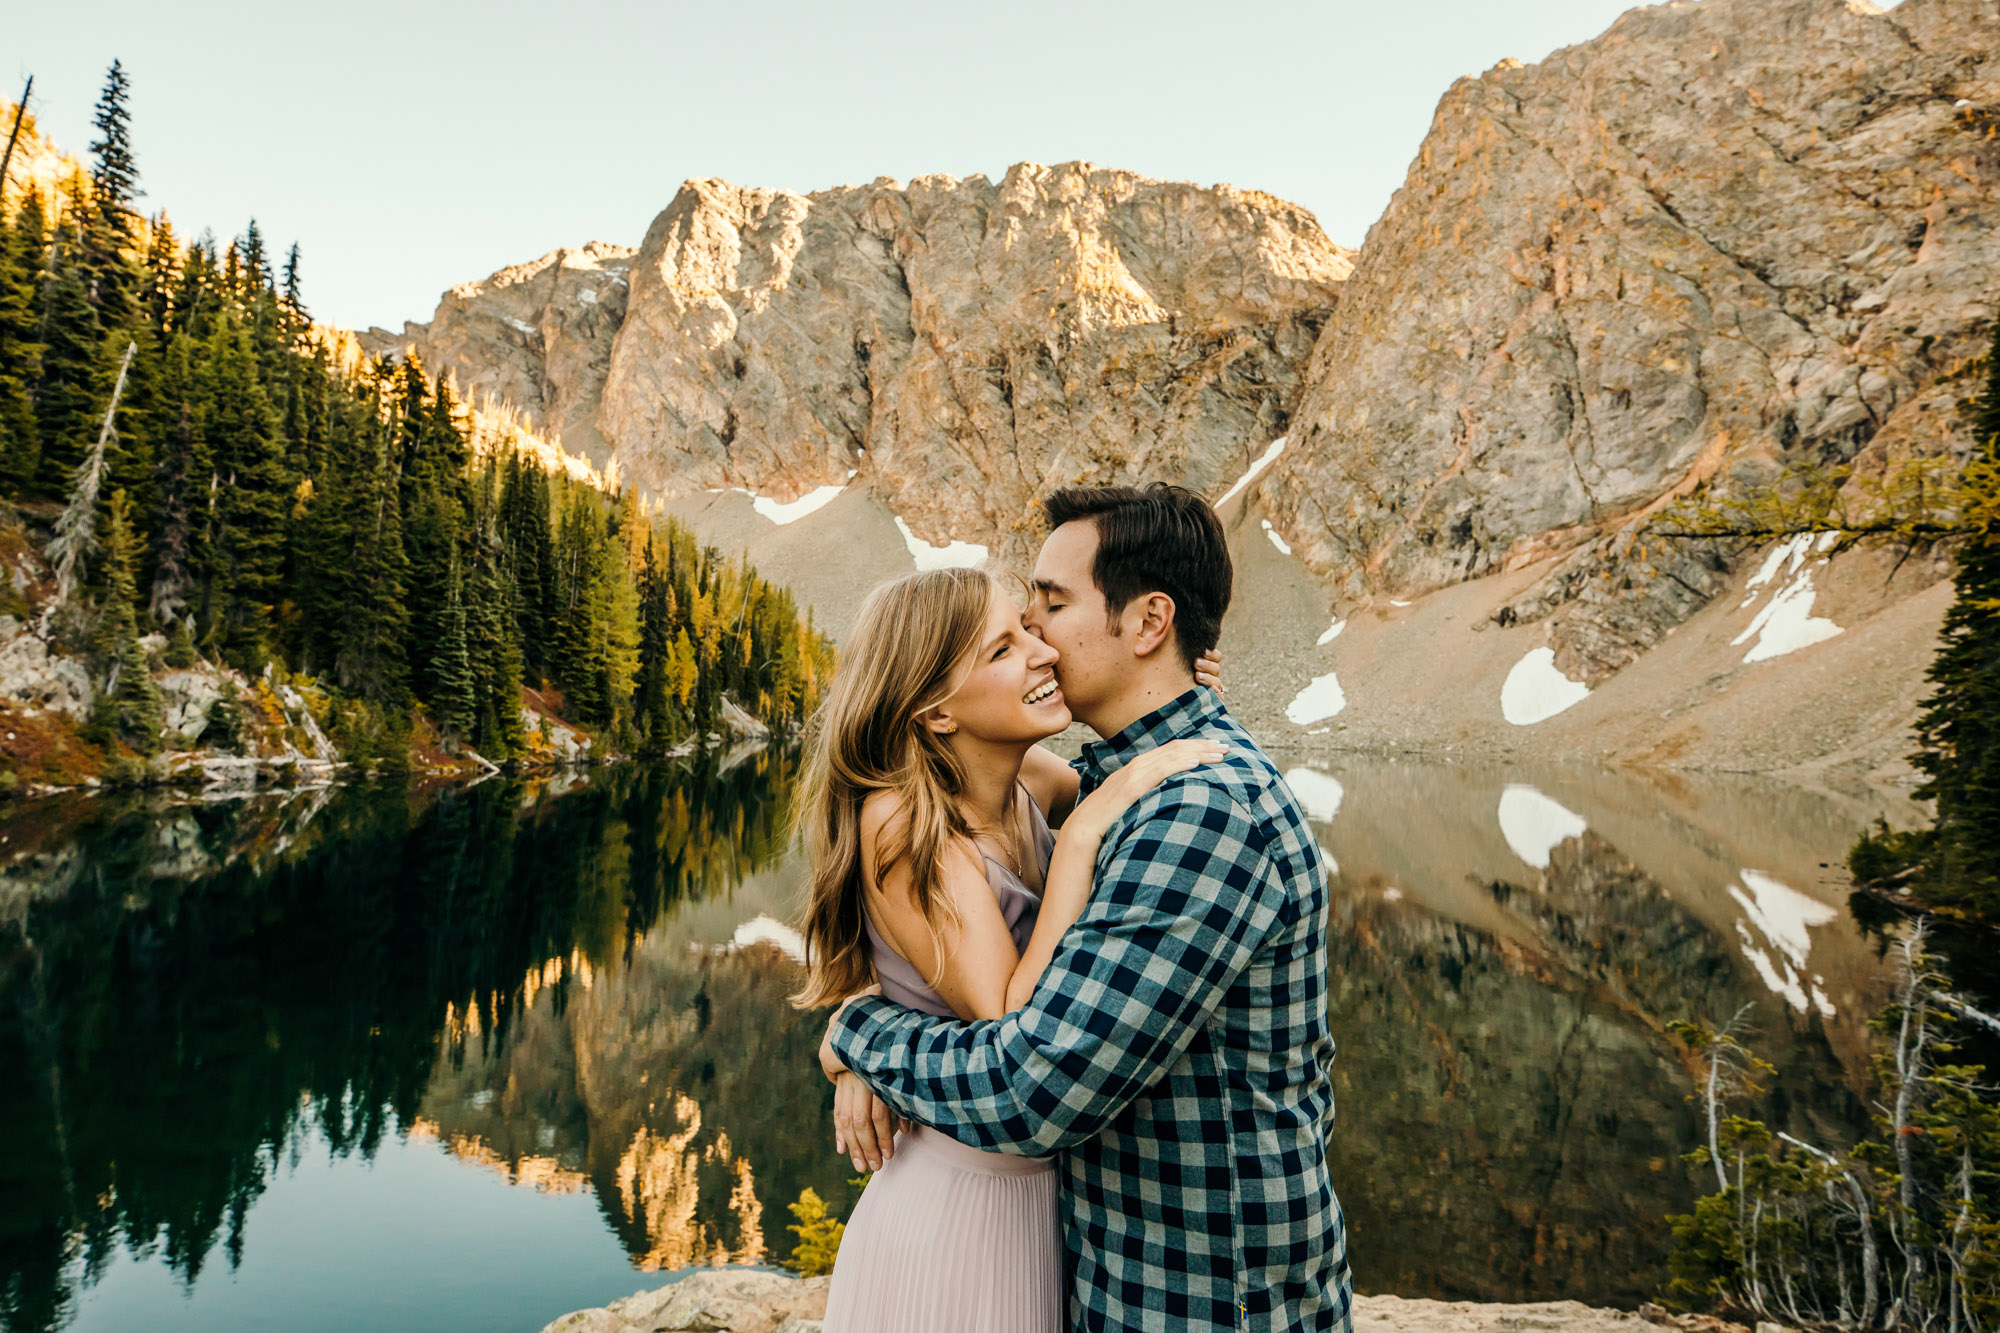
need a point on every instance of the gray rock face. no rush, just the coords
(39, 677)
(185, 698)
(967, 344)
(1716, 239)
(536, 336)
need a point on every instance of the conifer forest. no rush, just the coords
(215, 469)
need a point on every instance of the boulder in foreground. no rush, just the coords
(744, 1300)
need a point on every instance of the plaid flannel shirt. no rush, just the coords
(1175, 1054)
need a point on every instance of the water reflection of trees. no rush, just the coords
(1511, 1108)
(530, 978)
(190, 989)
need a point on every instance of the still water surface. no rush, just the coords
(466, 1059)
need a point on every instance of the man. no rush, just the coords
(1175, 1053)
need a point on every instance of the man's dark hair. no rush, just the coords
(1159, 538)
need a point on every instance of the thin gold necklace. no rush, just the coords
(1010, 847)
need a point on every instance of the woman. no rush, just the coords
(927, 814)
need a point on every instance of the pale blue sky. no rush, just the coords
(407, 147)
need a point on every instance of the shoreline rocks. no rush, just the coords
(749, 1300)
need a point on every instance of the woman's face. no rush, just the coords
(1010, 696)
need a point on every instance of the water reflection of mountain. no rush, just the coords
(186, 987)
(1505, 960)
(678, 1083)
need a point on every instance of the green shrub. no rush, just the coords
(819, 1235)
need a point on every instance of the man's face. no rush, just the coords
(1068, 612)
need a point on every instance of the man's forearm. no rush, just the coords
(977, 1102)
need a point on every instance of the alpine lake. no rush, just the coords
(469, 1057)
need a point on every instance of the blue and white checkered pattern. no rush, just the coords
(1176, 1054)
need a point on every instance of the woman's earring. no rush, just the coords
(950, 729)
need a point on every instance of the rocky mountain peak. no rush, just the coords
(966, 343)
(1721, 237)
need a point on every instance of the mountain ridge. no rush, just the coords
(1721, 238)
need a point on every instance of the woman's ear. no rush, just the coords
(940, 722)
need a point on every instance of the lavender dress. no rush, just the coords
(946, 1238)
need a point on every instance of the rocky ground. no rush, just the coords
(1428, 673)
(752, 1301)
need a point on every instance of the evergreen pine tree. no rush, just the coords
(181, 652)
(21, 243)
(649, 702)
(131, 702)
(454, 694)
(179, 467)
(161, 277)
(434, 493)
(1959, 730)
(114, 278)
(525, 534)
(1956, 862)
(256, 263)
(374, 576)
(252, 498)
(496, 655)
(114, 174)
(293, 296)
(75, 380)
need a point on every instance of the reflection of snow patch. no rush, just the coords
(951, 555)
(1534, 824)
(770, 930)
(1318, 793)
(1332, 866)
(1276, 540)
(1785, 984)
(1332, 633)
(1535, 691)
(1394, 602)
(1785, 917)
(1783, 913)
(1268, 457)
(587, 296)
(791, 511)
(1317, 701)
(1392, 895)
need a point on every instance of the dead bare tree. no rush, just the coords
(20, 114)
(1917, 1199)
(76, 528)
(1729, 1069)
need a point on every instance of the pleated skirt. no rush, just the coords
(948, 1239)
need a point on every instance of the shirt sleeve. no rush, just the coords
(1181, 905)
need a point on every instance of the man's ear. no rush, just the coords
(1149, 620)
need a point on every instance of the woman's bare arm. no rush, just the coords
(979, 972)
(978, 954)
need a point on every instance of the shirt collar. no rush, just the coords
(1100, 759)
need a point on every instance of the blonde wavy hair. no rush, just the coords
(910, 649)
